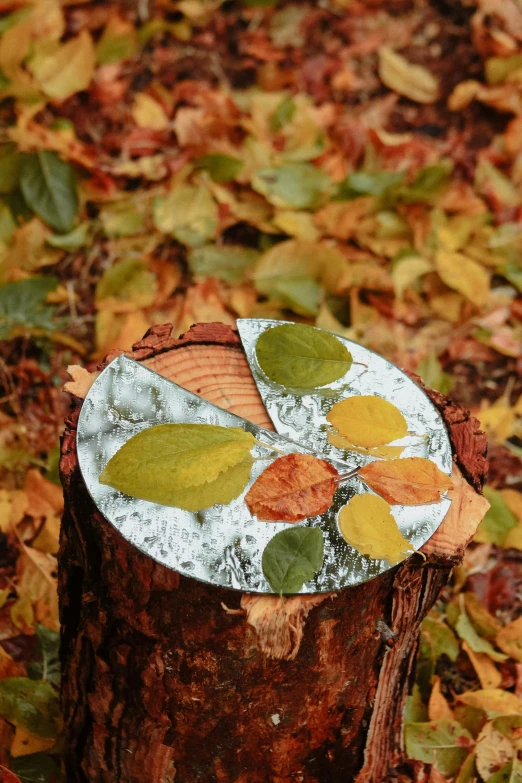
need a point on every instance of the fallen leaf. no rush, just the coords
(368, 421)
(467, 632)
(30, 704)
(67, 69)
(293, 557)
(509, 639)
(25, 743)
(180, 464)
(463, 275)
(189, 213)
(49, 188)
(499, 519)
(410, 481)
(406, 270)
(126, 286)
(368, 525)
(413, 81)
(302, 357)
(493, 701)
(148, 113)
(488, 674)
(509, 773)
(293, 185)
(438, 707)
(82, 380)
(228, 262)
(492, 751)
(443, 743)
(293, 488)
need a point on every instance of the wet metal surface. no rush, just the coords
(223, 545)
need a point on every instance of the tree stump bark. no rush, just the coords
(169, 679)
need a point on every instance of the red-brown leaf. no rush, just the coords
(292, 488)
(409, 481)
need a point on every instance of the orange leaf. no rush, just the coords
(409, 481)
(293, 487)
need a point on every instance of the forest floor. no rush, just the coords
(354, 164)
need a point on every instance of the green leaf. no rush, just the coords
(122, 219)
(301, 295)
(292, 557)
(433, 375)
(302, 357)
(415, 710)
(36, 768)
(22, 305)
(189, 213)
(226, 262)
(498, 521)
(130, 281)
(49, 188)
(49, 667)
(283, 114)
(10, 167)
(7, 223)
(467, 633)
(512, 272)
(191, 466)
(509, 773)
(362, 183)
(118, 42)
(75, 239)
(222, 168)
(439, 743)
(426, 185)
(437, 639)
(293, 185)
(31, 704)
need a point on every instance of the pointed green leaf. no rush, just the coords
(49, 667)
(293, 185)
(49, 188)
(302, 357)
(183, 465)
(441, 743)
(22, 305)
(31, 704)
(226, 262)
(292, 557)
(222, 168)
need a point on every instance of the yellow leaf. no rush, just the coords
(381, 452)
(24, 743)
(412, 481)
(67, 70)
(509, 639)
(368, 421)
(463, 275)
(493, 700)
(497, 421)
(13, 504)
(368, 525)
(22, 614)
(406, 271)
(492, 751)
(438, 707)
(413, 81)
(513, 500)
(148, 113)
(297, 224)
(48, 538)
(486, 670)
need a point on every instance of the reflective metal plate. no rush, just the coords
(223, 545)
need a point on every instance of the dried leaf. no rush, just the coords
(292, 488)
(26, 743)
(488, 674)
(148, 113)
(302, 357)
(493, 702)
(413, 81)
(293, 557)
(492, 751)
(410, 481)
(368, 421)
(67, 69)
(128, 285)
(438, 707)
(509, 639)
(463, 275)
(180, 464)
(367, 524)
(443, 743)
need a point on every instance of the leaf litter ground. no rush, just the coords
(354, 167)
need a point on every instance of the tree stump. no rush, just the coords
(169, 679)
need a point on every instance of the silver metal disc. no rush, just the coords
(223, 545)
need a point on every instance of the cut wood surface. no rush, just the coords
(170, 679)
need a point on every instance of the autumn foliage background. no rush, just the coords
(354, 165)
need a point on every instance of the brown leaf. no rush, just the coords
(292, 488)
(410, 481)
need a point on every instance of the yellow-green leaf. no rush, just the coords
(301, 356)
(464, 275)
(367, 524)
(176, 464)
(189, 213)
(368, 421)
(413, 81)
(64, 71)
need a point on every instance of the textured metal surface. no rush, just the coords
(223, 545)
